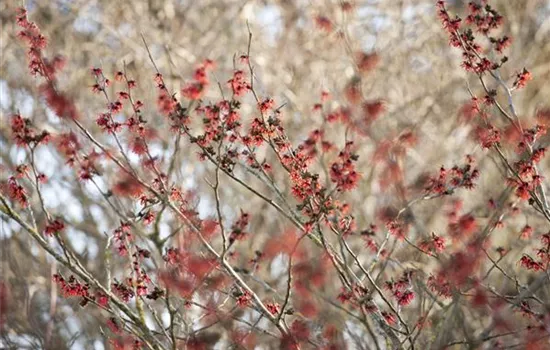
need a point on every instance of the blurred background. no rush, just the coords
(298, 49)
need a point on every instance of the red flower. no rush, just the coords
(238, 230)
(238, 85)
(115, 107)
(62, 106)
(172, 256)
(488, 136)
(405, 298)
(138, 146)
(464, 227)
(397, 229)
(265, 105)
(390, 318)
(200, 267)
(323, 23)
(300, 329)
(128, 187)
(530, 264)
(17, 192)
(97, 72)
(244, 299)
(72, 287)
(123, 95)
(352, 91)
(522, 191)
(165, 103)
(54, 227)
(502, 43)
(42, 178)
(373, 109)
(102, 299)
(123, 291)
(526, 232)
(367, 62)
(438, 242)
(148, 218)
(273, 308)
(440, 286)
(346, 6)
(113, 325)
(193, 91)
(522, 78)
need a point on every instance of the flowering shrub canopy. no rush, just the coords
(200, 210)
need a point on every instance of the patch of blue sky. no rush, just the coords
(98, 213)
(85, 20)
(22, 100)
(269, 18)
(5, 99)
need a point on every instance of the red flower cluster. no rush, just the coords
(195, 89)
(73, 288)
(489, 136)
(68, 145)
(440, 285)
(323, 23)
(238, 230)
(38, 65)
(434, 244)
(457, 177)
(17, 192)
(343, 172)
(25, 134)
(54, 227)
(401, 289)
(372, 110)
(273, 308)
(366, 62)
(358, 297)
(238, 84)
(531, 264)
(397, 228)
(31, 34)
(128, 186)
(389, 317)
(123, 291)
(463, 227)
(171, 257)
(113, 325)
(244, 299)
(522, 78)
(484, 19)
